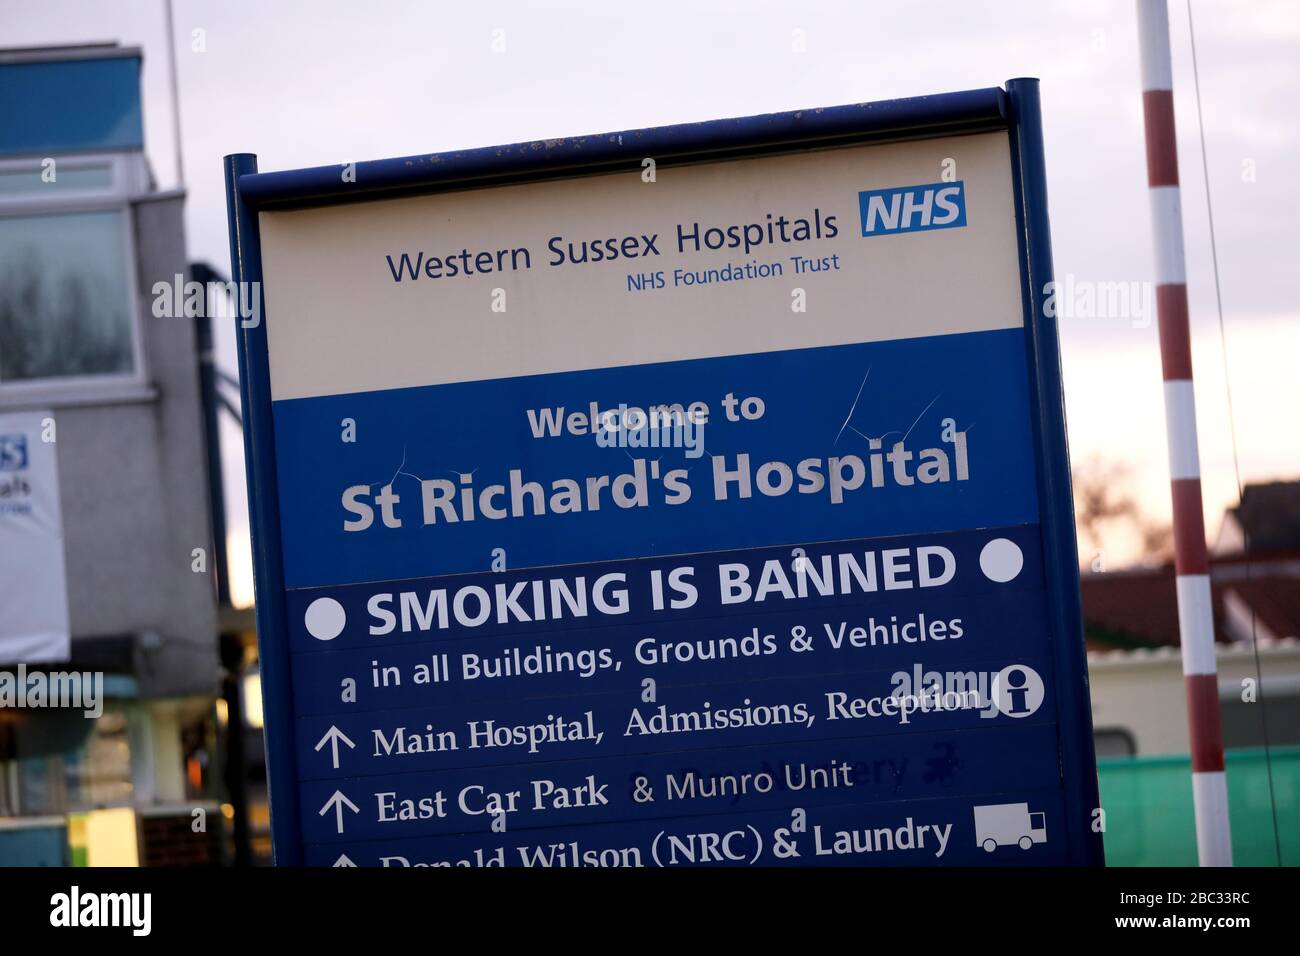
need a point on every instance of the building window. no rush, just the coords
(67, 292)
(1114, 742)
(1244, 724)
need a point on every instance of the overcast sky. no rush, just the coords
(311, 82)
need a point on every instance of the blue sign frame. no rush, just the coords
(1015, 109)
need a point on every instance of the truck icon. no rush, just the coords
(1009, 824)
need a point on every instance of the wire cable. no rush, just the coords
(1232, 430)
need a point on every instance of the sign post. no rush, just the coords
(684, 496)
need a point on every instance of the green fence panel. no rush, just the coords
(1149, 816)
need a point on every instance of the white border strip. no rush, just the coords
(1196, 624)
(1167, 225)
(1213, 834)
(1153, 34)
(1180, 429)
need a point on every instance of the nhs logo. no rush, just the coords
(912, 208)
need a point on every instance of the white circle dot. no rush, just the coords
(325, 619)
(1001, 560)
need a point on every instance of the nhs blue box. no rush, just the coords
(912, 208)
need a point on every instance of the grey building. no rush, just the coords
(85, 238)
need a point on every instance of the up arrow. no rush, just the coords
(344, 861)
(332, 737)
(336, 803)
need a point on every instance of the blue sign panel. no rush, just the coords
(665, 520)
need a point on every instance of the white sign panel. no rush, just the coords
(33, 581)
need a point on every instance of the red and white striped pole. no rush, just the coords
(1195, 610)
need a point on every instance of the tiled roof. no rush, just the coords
(1135, 609)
